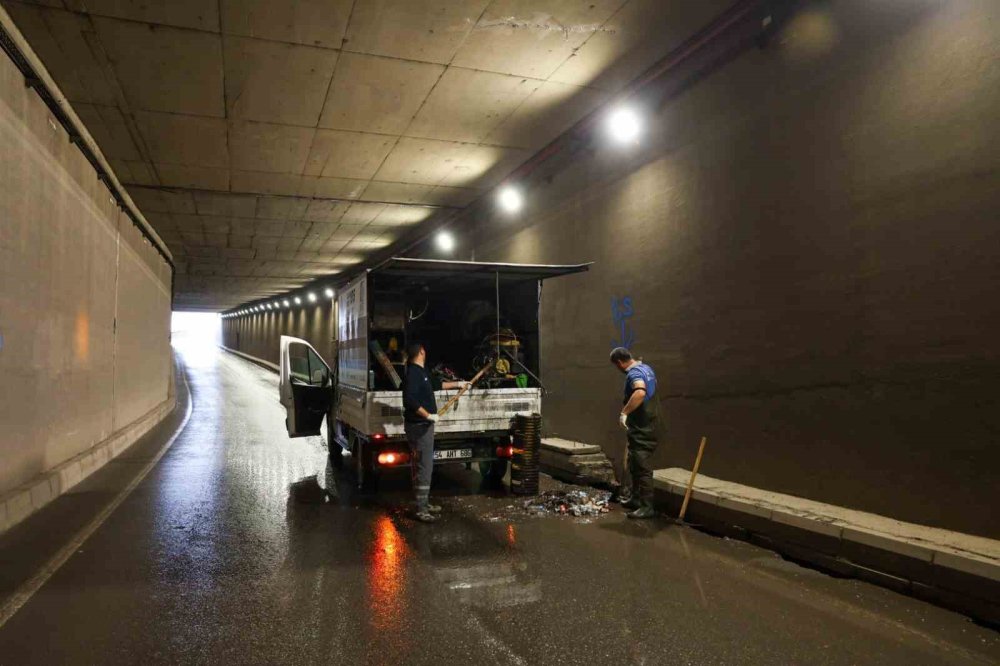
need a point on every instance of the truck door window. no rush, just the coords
(298, 362)
(318, 372)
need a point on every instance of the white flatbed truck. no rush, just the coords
(467, 314)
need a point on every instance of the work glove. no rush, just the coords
(623, 418)
(432, 418)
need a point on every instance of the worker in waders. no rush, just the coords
(638, 417)
(419, 417)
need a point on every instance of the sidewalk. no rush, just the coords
(956, 570)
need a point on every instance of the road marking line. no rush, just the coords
(24, 593)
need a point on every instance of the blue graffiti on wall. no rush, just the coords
(621, 312)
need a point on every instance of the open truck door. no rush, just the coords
(305, 387)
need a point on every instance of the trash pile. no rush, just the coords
(569, 503)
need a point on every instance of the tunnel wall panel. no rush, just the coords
(259, 335)
(807, 240)
(66, 273)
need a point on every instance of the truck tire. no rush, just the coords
(364, 465)
(493, 472)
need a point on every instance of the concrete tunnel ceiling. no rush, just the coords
(271, 143)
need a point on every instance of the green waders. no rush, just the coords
(641, 445)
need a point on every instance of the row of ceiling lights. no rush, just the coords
(283, 303)
(623, 126)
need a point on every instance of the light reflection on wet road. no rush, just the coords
(230, 551)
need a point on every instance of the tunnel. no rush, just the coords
(499, 331)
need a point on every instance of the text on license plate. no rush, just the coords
(450, 454)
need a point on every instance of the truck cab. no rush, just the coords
(470, 316)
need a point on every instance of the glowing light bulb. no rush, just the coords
(624, 125)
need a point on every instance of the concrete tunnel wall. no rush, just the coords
(808, 240)
(84, 303)
(259, 335)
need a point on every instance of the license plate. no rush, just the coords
(452, 454)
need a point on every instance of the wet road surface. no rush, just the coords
(228, 551)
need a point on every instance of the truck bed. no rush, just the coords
(478, 411)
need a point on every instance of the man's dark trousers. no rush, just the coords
(641, 444)
(421, 439)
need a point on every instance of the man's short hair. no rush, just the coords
(413, 350)
(620, 355)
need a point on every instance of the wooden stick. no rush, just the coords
(694, 473)
(448, 405)
(385, 362)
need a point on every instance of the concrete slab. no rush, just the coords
(466, 105)
(400, 216)
(199, 178)
(267, 147)
(334, 188)
(376, 94)
(974, 555)
(635, 37)
(446, 195)
(311, 22)
(275, 82)
(166, 69)
(347, 232)
(179, 139)
(884, 541)
(545, 114)
(340, 154)
(970, 563)
(288, 229)
(281, 208)
(235, 205)
(569, 447)
(576, 464)
(424, 30)
(162, 201)
(135, 173)
(107, 125)
(58, 37)
(448, 163)
(324, 210)
(530, 37)
(362, 214)
(397, 192)
(260, 182)
(196, 14)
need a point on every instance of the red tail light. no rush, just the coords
(505, 452)
(391, 458)
(378, 437)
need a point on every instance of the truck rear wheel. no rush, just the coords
(334, 450)
(493, 472)
(364, 464)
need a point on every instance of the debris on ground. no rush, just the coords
(576, 503)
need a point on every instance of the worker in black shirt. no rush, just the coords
(420, 414)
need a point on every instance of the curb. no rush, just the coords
(253, 359)
(951, 569)
(26, 499)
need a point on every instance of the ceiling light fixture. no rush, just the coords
(624, 125)
(312, 297)
(510, 199)
(328, 292)
(298, 301)
(285, 303)
(445, 241)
